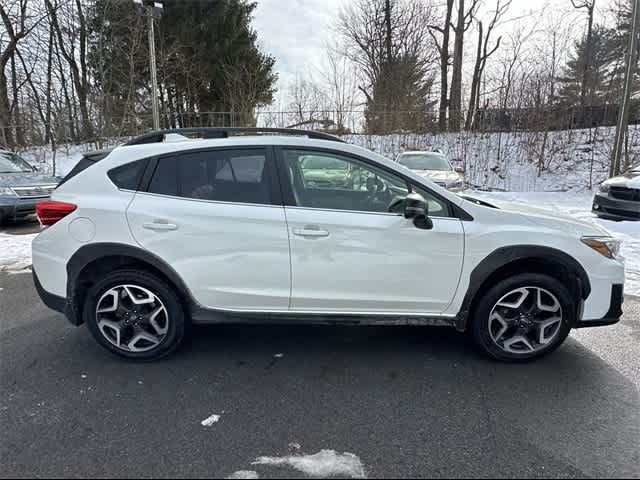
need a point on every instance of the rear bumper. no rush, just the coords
(605, 206)
(614, 313)
(54, 302)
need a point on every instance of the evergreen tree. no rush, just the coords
(207, 56)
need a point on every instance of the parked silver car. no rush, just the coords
(21, 187)
(435, 167)
(619, 197)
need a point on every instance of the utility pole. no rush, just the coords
(623, 118)
(152, 9)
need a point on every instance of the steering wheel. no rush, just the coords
(378, 191)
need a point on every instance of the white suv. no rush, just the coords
(228, 228)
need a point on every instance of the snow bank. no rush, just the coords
(15, 252)
(324, 464)
(579, 206)
(574, 160)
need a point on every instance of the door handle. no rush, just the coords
(310, 232)
(160, 226)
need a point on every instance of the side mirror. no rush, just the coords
(459, 169)
(417, 208)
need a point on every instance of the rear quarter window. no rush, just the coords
(128, 176)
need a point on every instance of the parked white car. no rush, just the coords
(227, 229)
(436, 167)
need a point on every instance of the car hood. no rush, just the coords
(550, 219)
(629, 180)
(438, 176)
(26, 180)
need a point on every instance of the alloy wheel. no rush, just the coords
(132, 318)
(525, 320)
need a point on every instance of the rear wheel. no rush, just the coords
(523, 318)
(135, 315)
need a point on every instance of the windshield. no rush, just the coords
(323, 163)
(12, 163)
(424, 161)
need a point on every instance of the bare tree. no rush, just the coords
(482, 55)
(443, 50)
(464, 20)
(342, 87)
(66, 47)
(590, 6)
(14, 18)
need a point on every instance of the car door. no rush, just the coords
(216, 217)
(351, 254)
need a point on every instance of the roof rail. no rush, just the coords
(223, 132)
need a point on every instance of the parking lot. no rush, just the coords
(409, 402)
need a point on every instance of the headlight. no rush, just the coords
(7, 192)
(456, 184)
(604, 187)
(607, 246)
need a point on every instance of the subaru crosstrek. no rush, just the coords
(157, 235)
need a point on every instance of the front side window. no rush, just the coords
(238, 176)
(336, 182)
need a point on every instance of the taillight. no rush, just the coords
(52, 212)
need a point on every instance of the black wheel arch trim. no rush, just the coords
(91, 253)
(504, 256)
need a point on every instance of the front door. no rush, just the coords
(351, 254)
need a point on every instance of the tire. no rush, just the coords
(510, 291)
(172, 323)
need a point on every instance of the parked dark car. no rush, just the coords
(21, 187)
(619, 197)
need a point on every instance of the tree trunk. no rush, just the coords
(6, 134)
(585, 67)
(444, 68)
(455, 104)
(475, 81)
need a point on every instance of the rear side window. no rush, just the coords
(88, 159)
(238, 176)
(128, 176)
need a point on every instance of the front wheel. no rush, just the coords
(135, 315)
(523, 318)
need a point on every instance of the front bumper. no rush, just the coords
(615, 310)
(12, 208)
(616, 209)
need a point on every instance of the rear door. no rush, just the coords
(216, 217)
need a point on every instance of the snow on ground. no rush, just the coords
(575, 160)
(64, 158)
(242, 474)
(324, 464)
(578, 205)
(15, 252)
(208, 422)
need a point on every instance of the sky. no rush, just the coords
(295, 32)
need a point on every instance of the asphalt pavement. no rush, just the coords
(409, 402)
